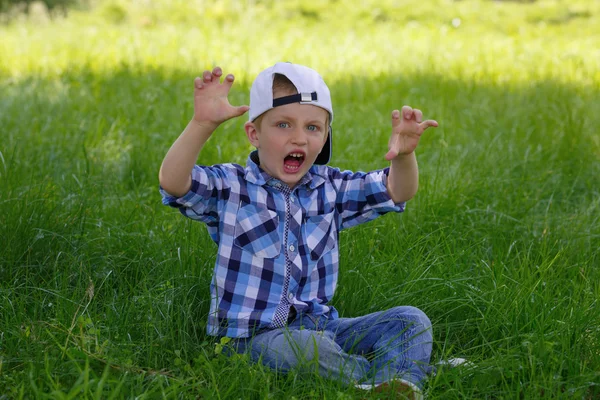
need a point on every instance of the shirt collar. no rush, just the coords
(254, 174)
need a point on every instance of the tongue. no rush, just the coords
(292, 161)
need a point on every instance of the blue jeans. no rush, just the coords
(372, 349)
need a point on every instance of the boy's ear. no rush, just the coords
(252, 133)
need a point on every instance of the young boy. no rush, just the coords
(276, 224)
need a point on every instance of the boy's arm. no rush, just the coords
(211, 108)
(175, 172)
(407, 128)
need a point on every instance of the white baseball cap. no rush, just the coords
(311, 90)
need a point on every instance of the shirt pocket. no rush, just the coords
(256, 231)
(319, 234)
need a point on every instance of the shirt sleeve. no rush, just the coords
(362, 196)
(209, 186)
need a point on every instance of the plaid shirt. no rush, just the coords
(277, 247)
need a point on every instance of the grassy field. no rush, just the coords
(104, 291)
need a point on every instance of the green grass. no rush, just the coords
(104, 291)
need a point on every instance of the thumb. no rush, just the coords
(390, 155)
(428, 124)
(240, 110)
(392, 148)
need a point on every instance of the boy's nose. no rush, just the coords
(299, 136)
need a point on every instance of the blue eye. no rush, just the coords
(313, 128)
(283, 125)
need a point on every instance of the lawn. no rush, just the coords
(104, 292)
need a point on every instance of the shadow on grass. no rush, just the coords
(507, 212)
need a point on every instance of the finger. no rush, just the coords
(429, 124)
(418, 115)
(217, 72)
(207, 76)
(229, 80)
(396, 118)
(407, 112)
(198, 83)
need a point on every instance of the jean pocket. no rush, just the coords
(256, 231)
(319, 234)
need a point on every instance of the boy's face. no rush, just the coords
(289, 138)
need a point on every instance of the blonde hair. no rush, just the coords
(281, 83)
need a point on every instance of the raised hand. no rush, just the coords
(211, 105)
(407, 128)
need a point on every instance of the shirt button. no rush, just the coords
(292, 248)
(188, 204)
(290, 295)
(293, 200)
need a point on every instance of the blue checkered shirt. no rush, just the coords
(277, 247)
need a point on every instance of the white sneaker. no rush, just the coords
(454, 362)
(407, 389)
(450, 363)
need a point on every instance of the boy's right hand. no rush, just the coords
(211, 106)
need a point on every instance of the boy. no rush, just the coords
(276, 224)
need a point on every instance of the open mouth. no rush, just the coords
(293, 161)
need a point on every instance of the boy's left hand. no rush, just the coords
(407, 128)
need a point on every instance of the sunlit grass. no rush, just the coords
(104, 292)
(510, 43)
